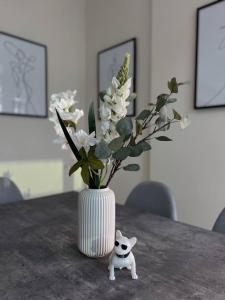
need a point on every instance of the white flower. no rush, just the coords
(105, 126)
(61, 137)
(185, 122)
(59, 131)
(82, 139)
(125, 89)
(64, 103)
(115, 83)
(120, 107)
(105, 112)
(114, 108)
(72, 116)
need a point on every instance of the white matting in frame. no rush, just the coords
(23, 77)
(210, 56)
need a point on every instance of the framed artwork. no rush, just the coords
(109, 62)
(23, 77)
(210, 56)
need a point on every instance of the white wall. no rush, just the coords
(108, 23)
(61, 26)
(193, 165)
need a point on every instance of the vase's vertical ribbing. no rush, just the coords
(96, 214)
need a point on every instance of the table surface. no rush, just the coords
(39, 258)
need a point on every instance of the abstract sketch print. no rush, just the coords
(21, 66)
(221, 47)
(113, 68)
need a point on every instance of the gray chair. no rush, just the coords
(154, 197)
(219, 225)
(9, 192)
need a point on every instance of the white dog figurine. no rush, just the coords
(122, 257)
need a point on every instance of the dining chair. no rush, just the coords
(9, 192)
(219, 225)
(154, 197)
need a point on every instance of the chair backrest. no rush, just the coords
(219, 225)
(9, 192)
(154, 197)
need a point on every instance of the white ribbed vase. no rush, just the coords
(96, 222)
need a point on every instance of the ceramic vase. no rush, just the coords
(96, 222)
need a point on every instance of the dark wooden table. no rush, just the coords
(39, 259)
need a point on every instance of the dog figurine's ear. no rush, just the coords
(118, 234)
(133, 241)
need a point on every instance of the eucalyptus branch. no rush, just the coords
(114, 169)
(102, 178)
(159, 129)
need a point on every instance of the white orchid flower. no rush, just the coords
(72, 116)
(64, 103)
(185, 122)
(59, 131)
(61, 137)
(82, 139)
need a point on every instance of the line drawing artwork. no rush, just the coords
(21, 65)
(113, 68)
(220, 47)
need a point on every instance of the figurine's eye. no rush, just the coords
(116, 243)
(124, 247)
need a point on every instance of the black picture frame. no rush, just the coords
(20, 57)
(133, 43)
(199, 27)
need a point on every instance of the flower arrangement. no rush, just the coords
(100, 155)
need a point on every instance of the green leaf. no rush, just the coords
(124, 126)
(144, 115)
(171, 100)
(161, 101)
(102, 150)
(116, 144)
(138, 128)
(173, 85)
(132, 167)
(68, 138)
(163, 139)
(75, 167)
(83, 154)
(145, 146)
(132, 97)
(139, 149)
(85, 174)
(91, 119)
(122, 153)
(96, 164)
(176, 115)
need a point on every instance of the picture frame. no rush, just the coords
(23, 77)
(108, 62)
(210, 56)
